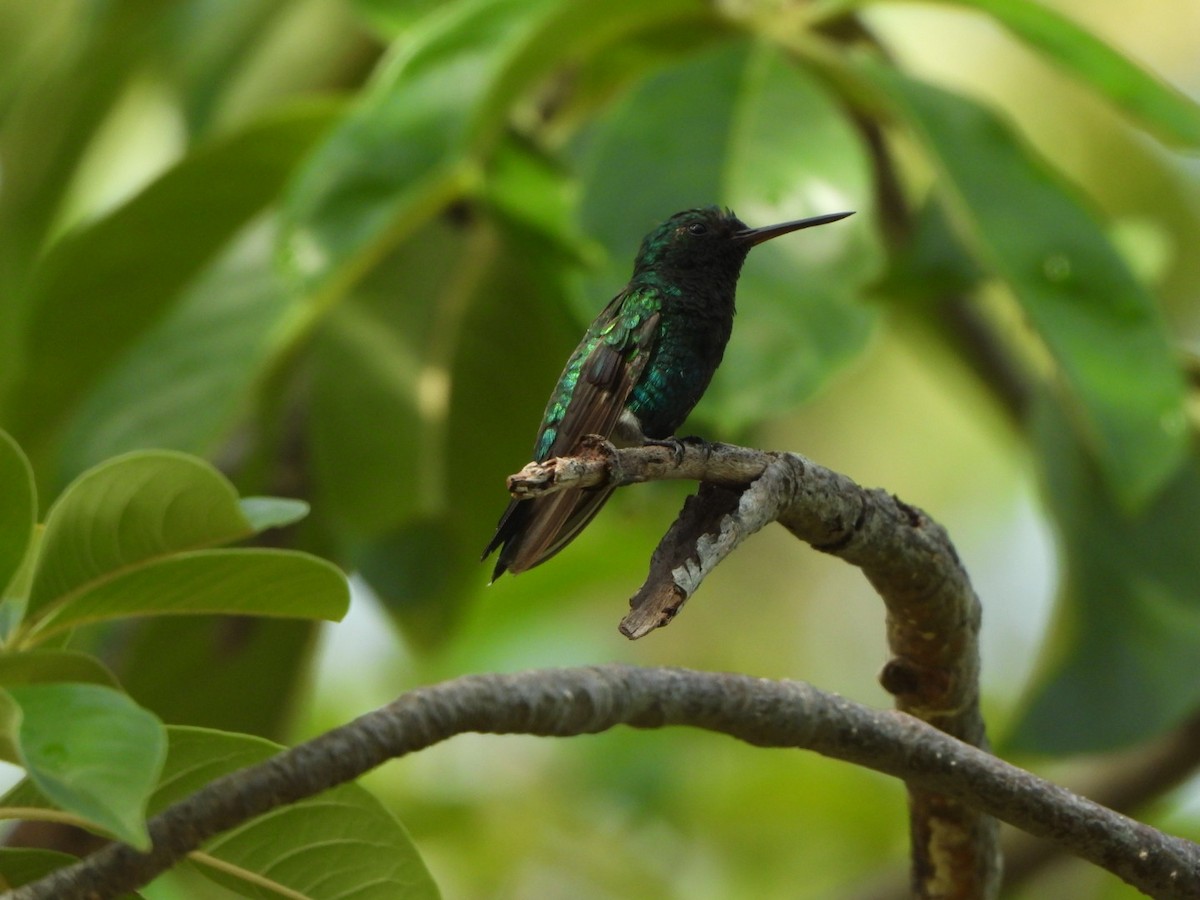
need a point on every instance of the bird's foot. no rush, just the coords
(677, 446)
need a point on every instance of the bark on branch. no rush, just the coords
(933, 615)
(565, 702)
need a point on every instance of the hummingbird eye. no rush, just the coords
(697, 228)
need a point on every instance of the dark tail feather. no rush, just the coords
(532, 531)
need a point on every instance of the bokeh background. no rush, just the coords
(343, 248)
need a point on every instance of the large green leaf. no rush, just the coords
(129, 511)
(342, 843)
(91, 751)
(1169, 113)
(741, 125)
(207, 356)
(256, 582)
(18, 508)
(1101, 325)
(1122, 665)
(420, 136)
(378, 373)
(101, 286)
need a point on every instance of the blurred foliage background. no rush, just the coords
(343, 247)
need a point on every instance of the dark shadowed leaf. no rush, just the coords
(18, 508)
(1121, 665)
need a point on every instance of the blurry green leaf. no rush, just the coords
(741, 124)
(534, 191)
(91, 751)
(341, 843)
(253, 582)
(208, 51)
(20, 865)
(932, 264)
(18, 508)
(130, 510)
(390, 19)
(1170, 114)
(366, 427)
(228, 672)
(101, 286)
(39, 666)
(1101, 325)
(1124, 648)
(419, 576)
(79, 60)
(272, 512)
(418, 138)
(187, 380)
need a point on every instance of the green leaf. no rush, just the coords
(255, 672)
(758, 133)
(40, 666)
(129, 511)
(419, 137)
(92, 752)
(339, 844)
(207, 356)
(272, 512)
(18, 509)
(368, 361)
(1123, 652)
(115, 276)
(256, 582)
(1169, 113)
(1100, 324)
(20, 865)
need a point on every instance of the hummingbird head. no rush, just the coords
(710, 239)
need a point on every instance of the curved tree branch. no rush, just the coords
(565, 702)
(933, 614)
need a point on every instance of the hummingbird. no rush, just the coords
(641, 367)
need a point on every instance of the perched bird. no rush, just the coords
(640, 368)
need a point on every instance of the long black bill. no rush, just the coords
(754, 236)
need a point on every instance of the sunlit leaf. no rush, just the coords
(113, 277)
(272, 512)
(130, 510)
(1169, 113)
(255, 582)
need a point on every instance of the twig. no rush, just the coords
(565, 702)
(933, 613)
